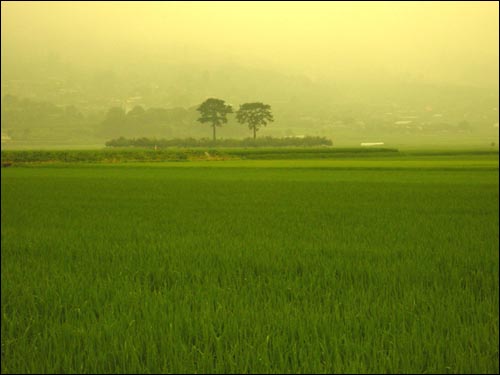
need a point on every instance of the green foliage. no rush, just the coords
(381, 157)
(92, 156)
(139, 121)
(254, 115)
(171, 154)
(188, 270)
(205, 142)
(25, 113)
(214, 111)
(29, 119)
(114, 116)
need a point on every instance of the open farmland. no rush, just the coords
(376, 264)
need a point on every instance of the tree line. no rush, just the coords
(161, 143)
(215, 111)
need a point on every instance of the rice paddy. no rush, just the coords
(368, 265)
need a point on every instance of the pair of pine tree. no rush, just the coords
(215, 111)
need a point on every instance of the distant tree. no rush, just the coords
(136, 117)
(214, 111)
(114, 121)
(254, 115)
(137, 111)
(156, 115)
(115, 116)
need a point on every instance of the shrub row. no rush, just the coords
(118, 155)
(206, 142)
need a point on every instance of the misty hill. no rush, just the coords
(57, 102)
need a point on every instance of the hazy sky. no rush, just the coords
(452, 42)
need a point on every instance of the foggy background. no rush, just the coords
(403, 73)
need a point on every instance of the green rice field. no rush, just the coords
(376, 264)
